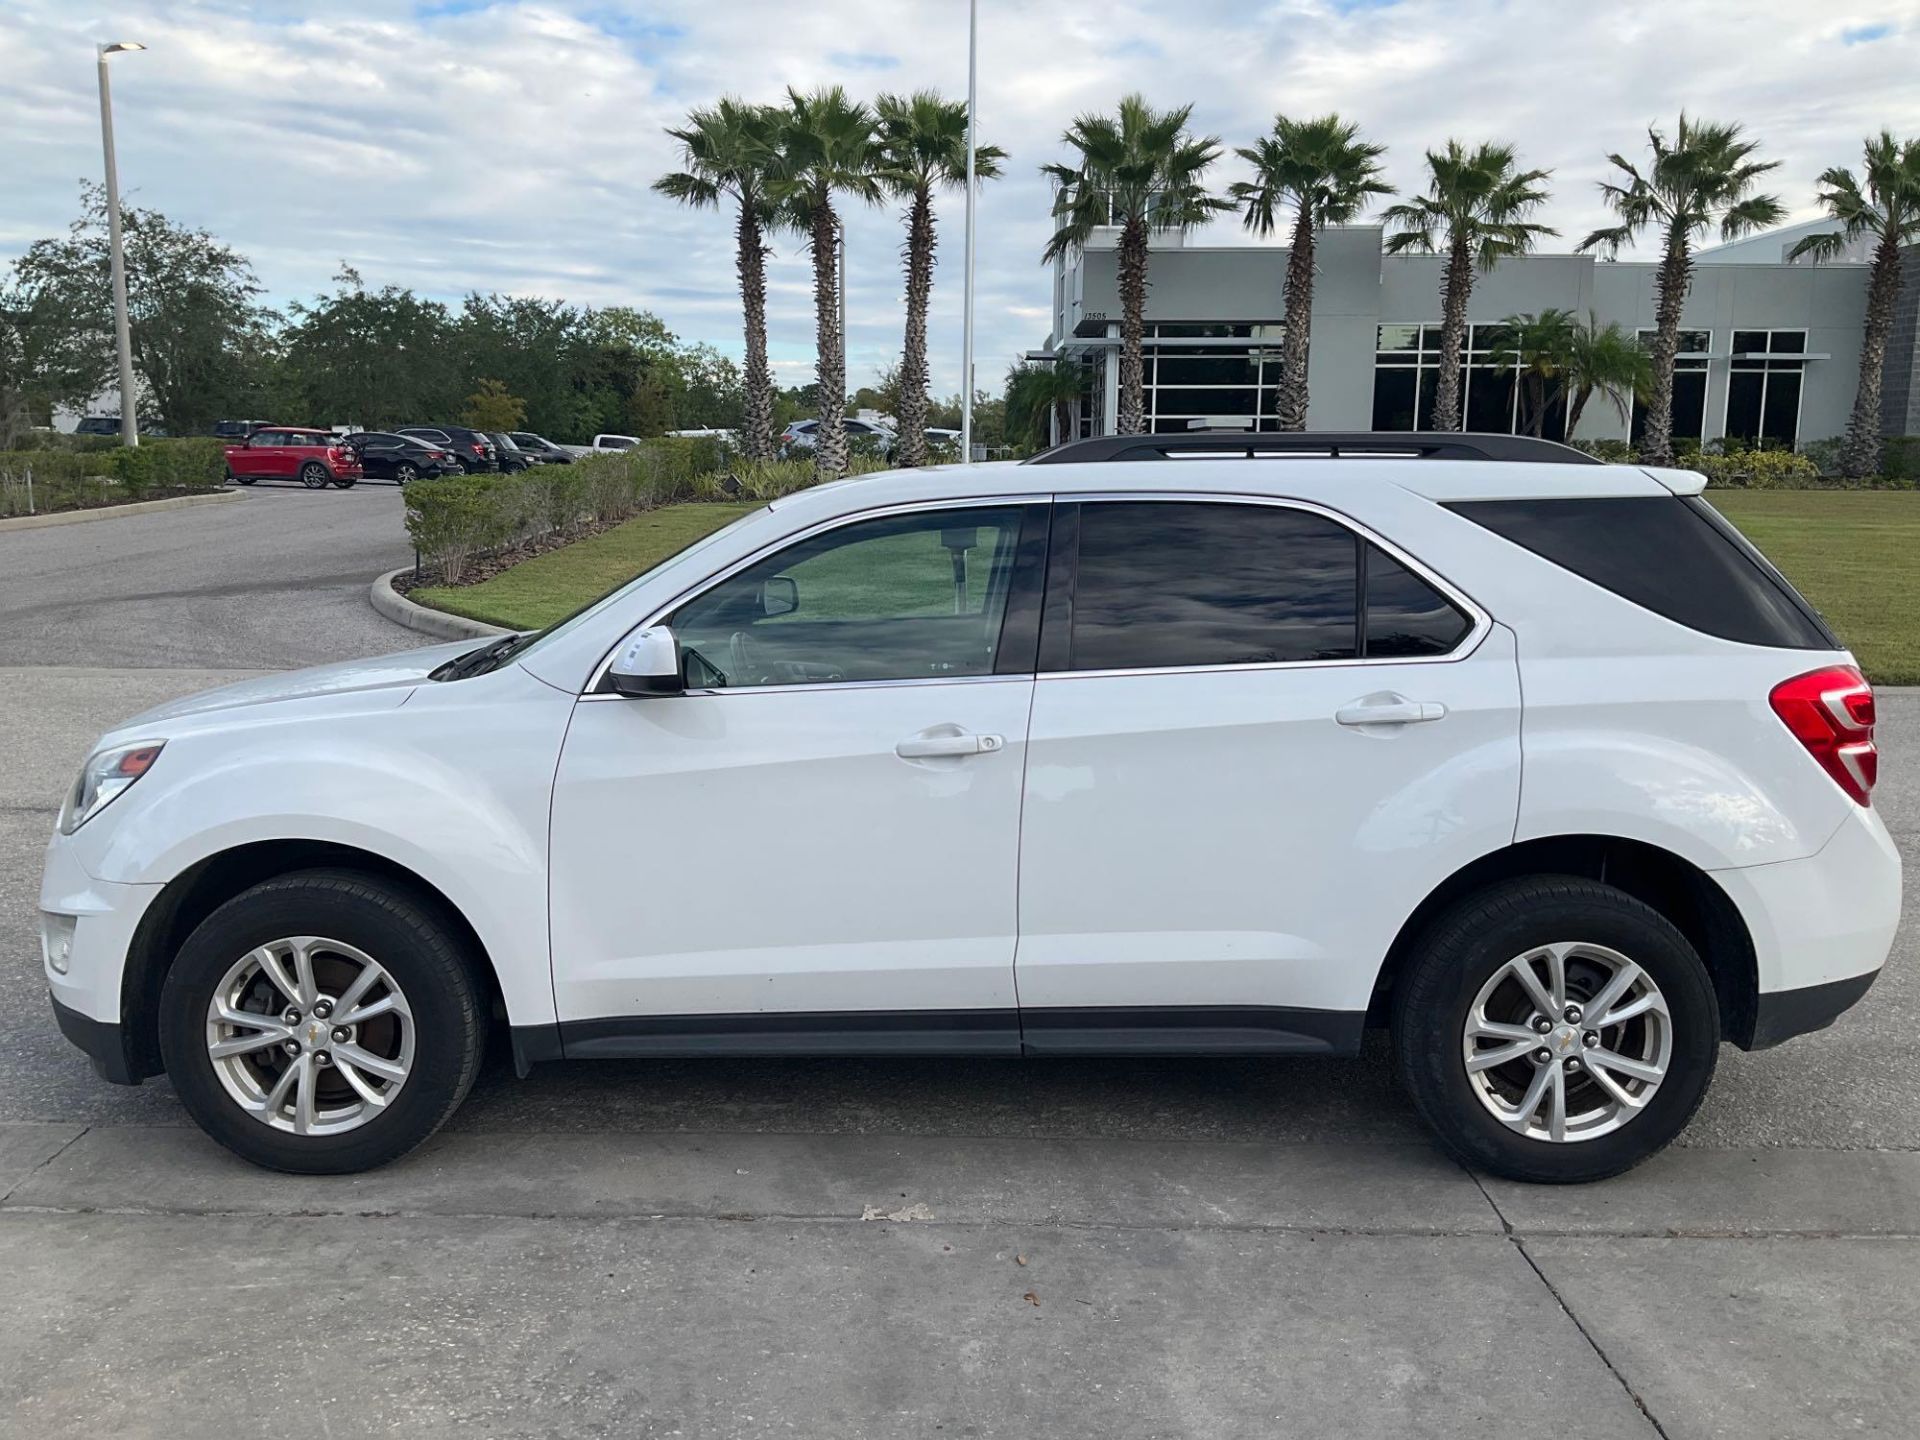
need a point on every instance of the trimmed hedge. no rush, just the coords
(39, 481)
(458, 518)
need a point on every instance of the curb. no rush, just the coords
(113, 512)
(402, 611)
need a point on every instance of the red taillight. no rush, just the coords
(1830, 712)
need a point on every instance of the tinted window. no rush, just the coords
(903, 597)
(1405, 615)
(1674, 556)
(1169, 583)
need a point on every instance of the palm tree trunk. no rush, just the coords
(830, 365)
(1455, 289)
(757, 381)
(1676, 274)
(1292, 397)
(912, 449)
(1133, 304)
(1860, 454)
(1580, 398)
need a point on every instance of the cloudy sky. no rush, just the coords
(508, 145)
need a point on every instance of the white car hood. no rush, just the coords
(381, 672)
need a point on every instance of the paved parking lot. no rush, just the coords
(1210, 1247)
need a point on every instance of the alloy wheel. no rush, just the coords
(1567, 1042)
(310, 1036)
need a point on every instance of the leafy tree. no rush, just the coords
(1536, 351)
(729, 152)
(493, 407)
(192, 302)
(43, 360)
(1607, 359)
(376, 358)
(1474, 207)
(1138, 169)
(1326, 173)
(1037, 395)
(922, 147)
(1706, 174)
(826, 148)
(1884, 205)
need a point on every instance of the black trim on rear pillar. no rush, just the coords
(1782, 1014)
(102, 1040)
(1105, 1030)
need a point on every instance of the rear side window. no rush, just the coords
(1162, 584)
(1673, 555)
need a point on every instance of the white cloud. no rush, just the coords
(463, 145)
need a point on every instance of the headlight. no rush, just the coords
(102, 778)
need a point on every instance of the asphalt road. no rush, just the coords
(885, 1248)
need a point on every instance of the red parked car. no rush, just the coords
(316, 458)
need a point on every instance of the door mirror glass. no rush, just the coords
(648, 663)
(779, 595)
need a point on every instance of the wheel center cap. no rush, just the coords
(315, 1034)
(1565, 1040)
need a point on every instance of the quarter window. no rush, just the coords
(1165, 584)
(901, 597)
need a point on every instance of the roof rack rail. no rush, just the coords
(1386, 444)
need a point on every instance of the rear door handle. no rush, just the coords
(928, 747)
(1389, 710)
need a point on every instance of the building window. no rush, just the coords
(1193, 369)
(1406, 382)
(1689, 386)
(1763, 389)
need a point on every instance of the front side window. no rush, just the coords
(900, 597)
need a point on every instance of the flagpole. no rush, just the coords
(966, 361)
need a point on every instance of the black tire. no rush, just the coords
(343, 482)
(411, 939)
(404, 472)
(1462, 951)
(314, 475)
(241, 479)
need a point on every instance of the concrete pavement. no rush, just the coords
(1212, 1247)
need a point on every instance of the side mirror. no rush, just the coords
(779, 595)
(648, 663)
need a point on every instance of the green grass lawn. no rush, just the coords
(552, 586)
(1854, 553)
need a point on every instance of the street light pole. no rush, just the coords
(966, 324)
(123, 332)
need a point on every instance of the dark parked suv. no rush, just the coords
(474, 449)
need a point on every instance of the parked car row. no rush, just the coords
(319, 458)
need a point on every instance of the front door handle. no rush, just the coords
(1389, 709)
(927, 747)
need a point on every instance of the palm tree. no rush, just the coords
(1474, 205)
(1142, 171)
(1536, 350)
(1039, 393)
(1887, 208)
(923, 146)
(1707, 173)
(826, 146)
(727, 152)
(1327, 173)
(1607, 359)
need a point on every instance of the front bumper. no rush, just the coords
(101, 1040)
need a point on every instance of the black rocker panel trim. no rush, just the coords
(1098, 1030)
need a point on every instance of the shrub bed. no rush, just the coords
(1730, 465)
(35, 482)
(458, 520)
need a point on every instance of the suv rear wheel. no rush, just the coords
(1555, 1029)
(321, 1022)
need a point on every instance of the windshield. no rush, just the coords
(534, 639)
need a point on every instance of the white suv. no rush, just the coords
(1236, 751)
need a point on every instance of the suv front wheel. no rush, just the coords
(1554, 1029)
(321, 1022)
